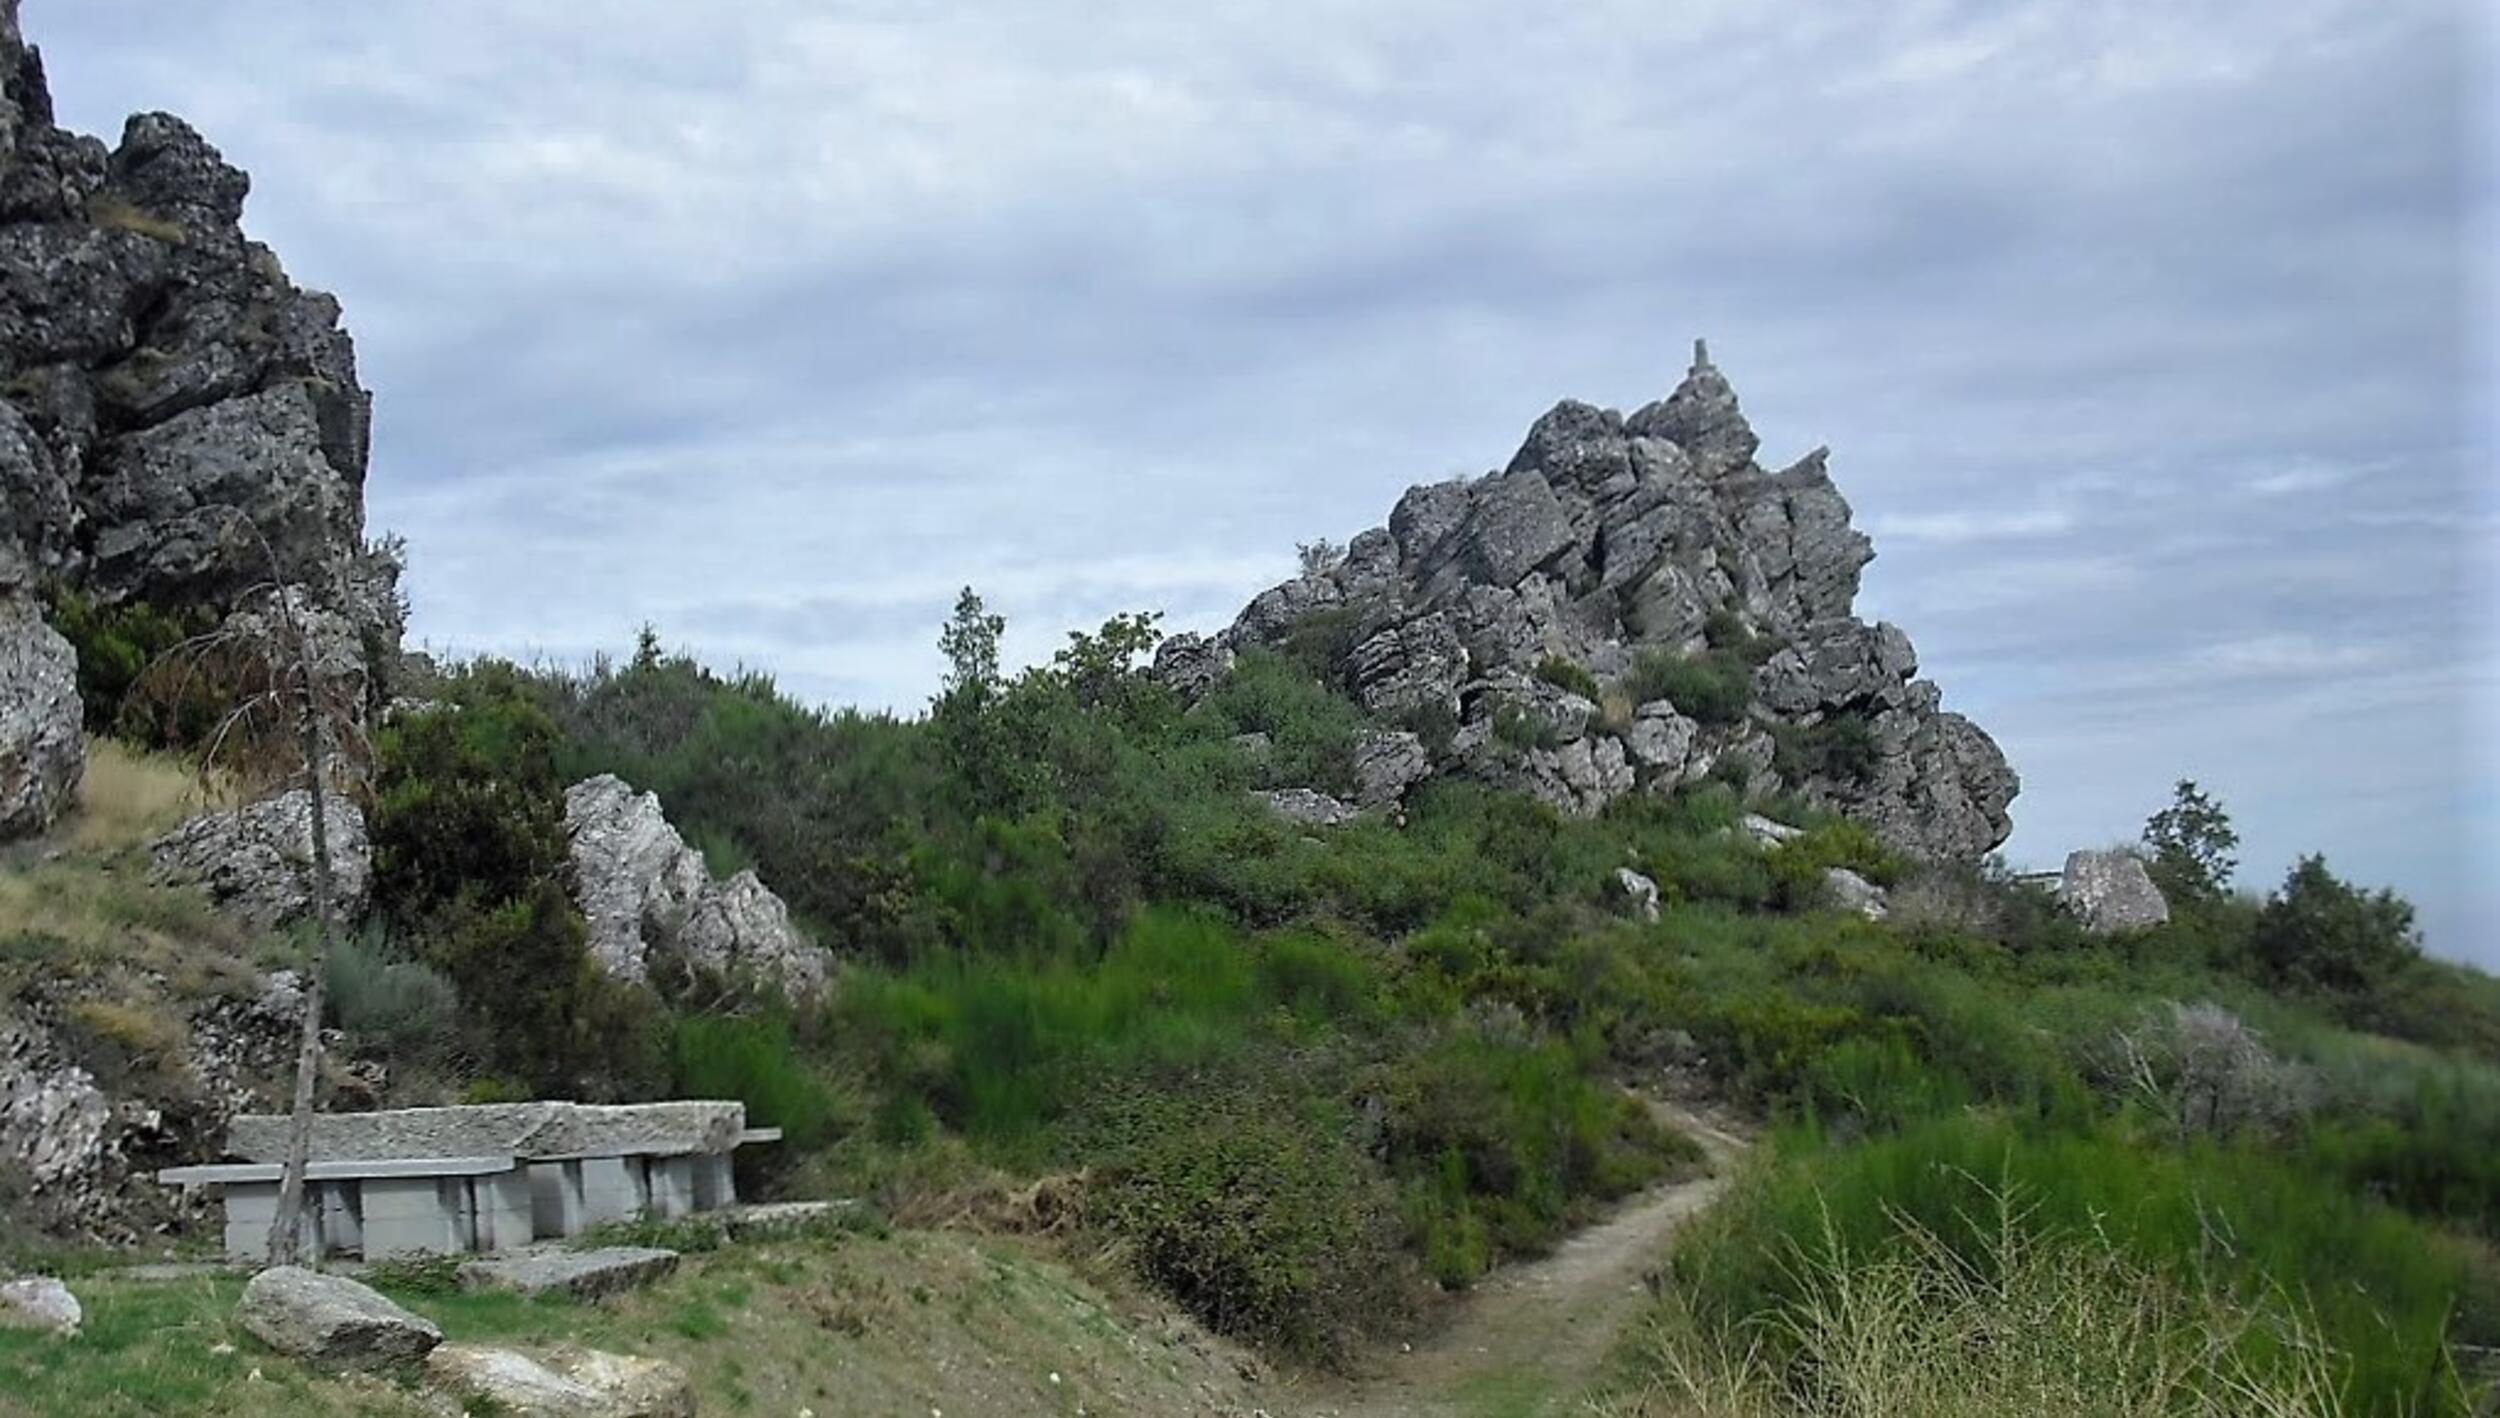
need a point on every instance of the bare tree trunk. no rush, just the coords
(286, 1232)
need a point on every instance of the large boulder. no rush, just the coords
(332, 1321)
(256, 860)
(564, 1383)
(43, 752)
(2110, 891)
(656, 914)
(1608, 542)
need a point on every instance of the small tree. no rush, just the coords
(1320, 557)
(970, 644)
(2322, 933)
(280, 685)
(2191, 842)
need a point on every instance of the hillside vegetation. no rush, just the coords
(1304, 1081)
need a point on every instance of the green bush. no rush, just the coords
(400, 1003)
(1712, 688)
(2321, 933)
(1564, 674)
(117, 647)
(1256, 1212)
(1839, 748)
(1524, 728)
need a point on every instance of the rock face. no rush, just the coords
(39, 1302)
(175, 414)
(2110, 891)
(1308, 807)
(654, 908)
(1610, 545)
(257, 860)
(43, 751)
(567, 1383)
(331, 1320)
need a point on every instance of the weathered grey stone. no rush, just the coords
(331, 1320)
(39, 1302)
(775, 1218)
(1308, 806)
(2110, 891)
(54, 1120)
(1417, 665)
(1768, 832)
(43, 748)
(1845, 890)
(256, 860)
(584, 1275)
(1640, 891)
(522, 1130)
(1660, 740)
(654, 911)
(1386, 764)
(564, 1383)
(1605, 539)
(1191, 665)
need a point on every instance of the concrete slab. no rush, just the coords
(584, 1275)
(779, 1217)
(530, 1131)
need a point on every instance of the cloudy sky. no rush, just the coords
(2145, 332)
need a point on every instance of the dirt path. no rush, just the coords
(1530, 1337)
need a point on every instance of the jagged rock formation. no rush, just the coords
(179, 422)
(654, 908)
(256, 861)
(43, 754)
(1609, 544)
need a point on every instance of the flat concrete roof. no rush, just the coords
(338, 1171)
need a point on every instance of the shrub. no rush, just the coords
(395, 1001)
(1311, 730)
(1524, 728)
(1563, 674)
(116, 645)
(1711, 688)
(1261, 1219)
(2209, 1073)
(1840, 748)
(2321, 933)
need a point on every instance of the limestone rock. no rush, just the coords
(654, 909)
(1386, 764)
(1308, 806)
(1769, 833)
(565, 1383)
(1640, 891)
(170, 402)
(2110, 891)
(257, 860)
(1845, 890)
(1609, 539)
(39, 1302)
(1191, 665)
(43, 749)
(331, 1320)
(54, 1120)
(584, 1275)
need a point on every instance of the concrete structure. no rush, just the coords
(417, 1181)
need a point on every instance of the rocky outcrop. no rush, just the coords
(43, 752)
(654, 909)
(1308, 807)
(179, 422)
(565, 1383)
(256, 861)
(332, 1321)
(1641, 892)
(1609, 549)
(2110, 891)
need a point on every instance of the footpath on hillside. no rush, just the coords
(1529, 1338)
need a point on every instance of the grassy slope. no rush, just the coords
(838, 1323)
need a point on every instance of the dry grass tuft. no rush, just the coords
(120, 214)
(129, 798)
(2050, 1326)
